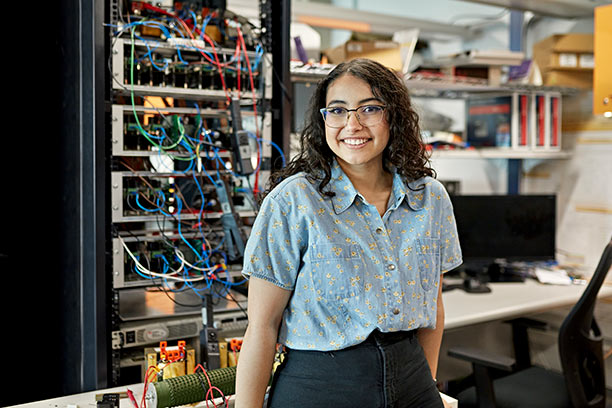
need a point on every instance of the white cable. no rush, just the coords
(179, 255)
(144, 270)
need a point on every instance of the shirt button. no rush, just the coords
(396, 311)
(390, 267)
(379, 230)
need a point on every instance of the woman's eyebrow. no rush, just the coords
(372, 99)
(361, 102)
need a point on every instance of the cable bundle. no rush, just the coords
(191, 388)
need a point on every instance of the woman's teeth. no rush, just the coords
(355, 142)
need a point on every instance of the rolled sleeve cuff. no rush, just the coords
(249, 274)
(447, 267)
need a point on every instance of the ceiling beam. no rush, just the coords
(329, 16)
(552, 8)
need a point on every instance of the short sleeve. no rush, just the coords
(450, 249)
(273, 250)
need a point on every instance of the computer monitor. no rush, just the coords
(509, 227)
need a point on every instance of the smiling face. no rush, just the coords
(355, 145)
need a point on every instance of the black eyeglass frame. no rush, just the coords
(324, 111)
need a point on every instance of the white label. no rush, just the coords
(385, 45)
(586, 61)
(568, 60)
(187, 42)
(354, 47)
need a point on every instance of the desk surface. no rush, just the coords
(507, 300)
(88, 399)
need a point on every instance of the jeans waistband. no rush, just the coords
(387, 338)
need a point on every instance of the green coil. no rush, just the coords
(191, 388)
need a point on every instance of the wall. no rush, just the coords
(582, 182)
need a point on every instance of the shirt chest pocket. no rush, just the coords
(337, 270)
(428, 261)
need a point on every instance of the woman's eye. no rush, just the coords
(336, 111)
(371, 109)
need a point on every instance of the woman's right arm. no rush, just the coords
(266, 303)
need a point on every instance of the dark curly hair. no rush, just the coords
(405, 150)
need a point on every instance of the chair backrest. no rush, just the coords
(581, 343)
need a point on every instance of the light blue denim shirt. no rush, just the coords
(351, 270)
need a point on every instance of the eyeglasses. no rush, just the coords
(367, 115)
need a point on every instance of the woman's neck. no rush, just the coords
(369, 180)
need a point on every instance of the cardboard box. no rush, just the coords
(387, 53)
(566, 60)
(575, 78)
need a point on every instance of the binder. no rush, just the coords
(539, 124)
(521, 117)
(554, 120)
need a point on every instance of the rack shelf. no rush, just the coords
(498, 153)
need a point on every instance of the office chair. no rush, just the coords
(582, 383)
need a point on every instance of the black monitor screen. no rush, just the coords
(511, 227)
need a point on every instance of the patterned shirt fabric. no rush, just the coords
(352, 271)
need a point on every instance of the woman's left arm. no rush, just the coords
(431, 339)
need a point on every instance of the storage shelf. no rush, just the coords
(449, 87)
(426, 84)
(498, 153)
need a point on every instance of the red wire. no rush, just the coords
(238, 67)
(146, 384)
(211, 388)
(246, 56)
(220, 68)
(206, 38)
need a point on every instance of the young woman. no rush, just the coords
(346, 254)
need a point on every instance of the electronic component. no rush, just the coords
(136, 334)
(242, 147)
(147, 196)
(209, 337)
(109, 400)
(149, 261)
(234, 236)
(179, 197)
(190, 388)
(169, 362)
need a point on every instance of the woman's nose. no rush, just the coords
(352, 121)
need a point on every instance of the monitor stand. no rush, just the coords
(474, 285)
(473, 281)
(499, 273)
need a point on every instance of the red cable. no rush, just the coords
(146, 384)
(206, 38)
(238, 67)
(246, 56)
(211, 387)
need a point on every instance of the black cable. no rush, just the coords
(228, 289)
(237, 303)
(176, 301)
(280, 82)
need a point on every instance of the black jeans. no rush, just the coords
(385, 371)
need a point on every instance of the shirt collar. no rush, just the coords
(401, 192)
(345, 192)
(415, 196)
